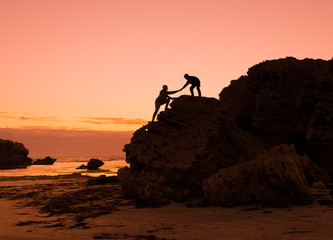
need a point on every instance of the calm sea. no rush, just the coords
(68, 165)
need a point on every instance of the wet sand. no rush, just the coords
(68, 208)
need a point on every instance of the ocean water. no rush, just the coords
(68, 165)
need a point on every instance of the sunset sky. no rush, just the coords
(88, 69)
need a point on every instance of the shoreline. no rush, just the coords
(42, 177)
(63, 167)
(65, 207)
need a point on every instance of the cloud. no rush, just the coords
(63, 131)
(114, 120)
(52, 119)
(92, 120)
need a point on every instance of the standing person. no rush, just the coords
(194, 81)
(163, 98)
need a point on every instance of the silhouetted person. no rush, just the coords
(163, 98)
(194, 81)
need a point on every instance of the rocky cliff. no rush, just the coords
(13, 155)
(285, 101)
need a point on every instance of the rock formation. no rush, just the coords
(45, 161)
(13, 155)
(274, 177)
(170, 157)
(94, 164)
(285, 101)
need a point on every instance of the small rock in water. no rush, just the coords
(45, 161)
(94, 164)
(82, 167)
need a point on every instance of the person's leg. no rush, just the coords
(157, 107)
(199, 91)
(191, 89)
(167, 104)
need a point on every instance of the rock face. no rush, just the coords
(284, 101)
(13, 155)
(287, 101)
(166, 156)
(274, 178)
(45, 161)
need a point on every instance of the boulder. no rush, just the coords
(45, 161)
(170, 158)
(94, 164)
(13, 155)
(275, 177)
(284, 101)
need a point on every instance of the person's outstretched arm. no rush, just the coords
(187, 83)
(172, 92)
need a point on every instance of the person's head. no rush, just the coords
(165, 87)
(186, 76)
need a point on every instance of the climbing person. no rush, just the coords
(195, 83)
(163, 98)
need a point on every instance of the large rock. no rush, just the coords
(285, 101)
(274, 178)
(171, 157)
(13, 155)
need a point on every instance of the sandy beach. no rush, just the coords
(66, 207)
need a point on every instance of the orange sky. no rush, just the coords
(99, 64)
